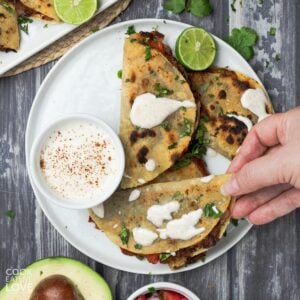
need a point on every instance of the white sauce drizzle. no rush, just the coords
(149, 111)
(243, 119)
(183, 228)
(141, 181)
(99, 210)
(255, 100)
(156, 214)
(211, 152)
(150, 165)
(134, 195)
(207, 179)
(143, 236)
(115, 226)
(127, 176)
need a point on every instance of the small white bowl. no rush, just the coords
(167, 286)
(38, 178)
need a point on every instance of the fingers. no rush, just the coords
(268, 133)
(260, 173)
(248, 203)
(277, 207)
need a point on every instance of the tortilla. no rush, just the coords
(9, 31)
(43, 7)
(23, 10)
(164, 144)
(197, 168)
(192, 194)
(221, 91)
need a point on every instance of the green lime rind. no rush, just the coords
(75, 12)
(195, 49)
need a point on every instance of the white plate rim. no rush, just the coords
(222, 251)
(22, 58)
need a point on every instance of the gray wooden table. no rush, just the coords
(264, 265)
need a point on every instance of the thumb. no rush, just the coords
(259, 173)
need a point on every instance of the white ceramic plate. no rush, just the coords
(85, 81)
(38, 38)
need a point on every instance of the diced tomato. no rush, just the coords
(169, 295)
(153, 258)
(143, 297)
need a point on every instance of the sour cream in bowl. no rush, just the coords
(77, 162)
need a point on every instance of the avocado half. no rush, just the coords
(87, 283)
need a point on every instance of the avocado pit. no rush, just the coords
(56, 287)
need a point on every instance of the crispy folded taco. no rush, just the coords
(149, 67)
(42, 8)
(223, 117)
(9, 31)
(123, 220)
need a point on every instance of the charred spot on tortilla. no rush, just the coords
(135, 135)
(222, 94)
(141, 155)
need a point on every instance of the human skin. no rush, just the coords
(267, 170)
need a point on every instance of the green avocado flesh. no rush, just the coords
(58, 278)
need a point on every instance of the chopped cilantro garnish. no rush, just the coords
(151, 289)
(23, 22)
(8, 7)
(45, 26)
(234, 222)
(172, 146)
(210, 210)
(124, 235)
(260, 2)
(148, 54)
(10, 214)
(272, 31)
(200, 8)
(161, 91)
(187, 128)
(185, 161)
(177, 194)
(165, 125)
(130, 30)
(243, 40)
(120, 73)
(277, 57)
(138, 246)
(164, 256)
(175, 6)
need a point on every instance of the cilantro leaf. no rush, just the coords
(10, 214)
(243, 40)
(210, 210)
(130, 30)
(8, 7)
(148, 54)
(164, 256)
(200, 8)
(175, 6)
(124, 235)
(23, 22)
(120, 74)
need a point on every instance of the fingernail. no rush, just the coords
(230, 188)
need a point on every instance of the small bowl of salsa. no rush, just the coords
(163, 291)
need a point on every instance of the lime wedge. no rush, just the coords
(195, 49)
(75, 11)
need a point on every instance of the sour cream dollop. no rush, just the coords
(149, 111)
(78, 160)
(144, 236)
(255, 100)
(183, 228)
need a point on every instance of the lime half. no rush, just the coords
(75, 11)
(195, 49)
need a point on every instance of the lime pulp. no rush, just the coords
(195, 49)
(75, 11)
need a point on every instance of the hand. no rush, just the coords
(267, 170)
